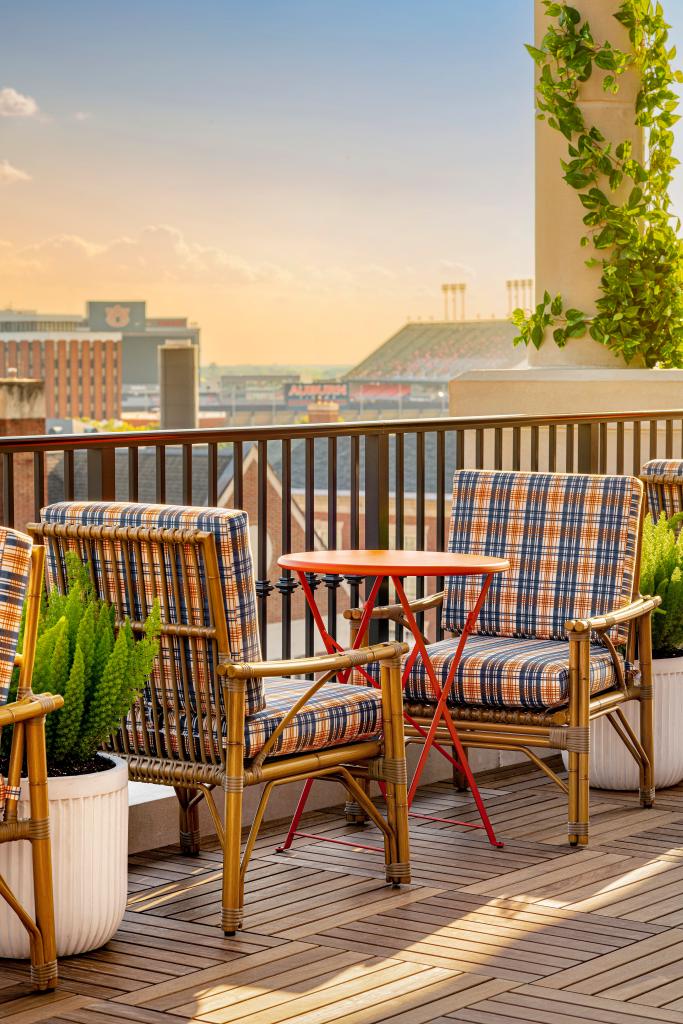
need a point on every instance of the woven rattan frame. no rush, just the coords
(26, 715)
(202, 765)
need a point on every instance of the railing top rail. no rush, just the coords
(221, 435)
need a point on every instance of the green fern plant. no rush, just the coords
(97, 668)
(661, 573)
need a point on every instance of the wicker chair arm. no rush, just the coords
(29, 707)
(304, 666)
(635, 610)
(394, 612)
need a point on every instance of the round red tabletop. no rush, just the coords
(393, 563)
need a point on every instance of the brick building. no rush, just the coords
(81, 369)
(22, 413)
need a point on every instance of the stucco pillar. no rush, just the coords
(560, 260)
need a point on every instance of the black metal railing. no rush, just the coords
(376, 484)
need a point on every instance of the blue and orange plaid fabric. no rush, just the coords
(15, 568)
(570, 539)
(339, 713)
(230, 528)
(664, 486)
(504, 672)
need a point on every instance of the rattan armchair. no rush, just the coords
(214, 716)
(21, 583)
(663, 480)
(563, 638)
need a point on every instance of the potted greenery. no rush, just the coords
(99, 670)
(612, 767)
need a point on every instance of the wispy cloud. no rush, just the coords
(9, 174)
(156, 255)
(82, 115)
(16, 104)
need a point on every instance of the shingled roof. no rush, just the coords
(441, 351)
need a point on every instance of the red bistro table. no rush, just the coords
(394, 565)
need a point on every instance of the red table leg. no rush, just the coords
(442, 711)
(331, 645)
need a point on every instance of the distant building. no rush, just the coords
(81, 369)
(139, 335)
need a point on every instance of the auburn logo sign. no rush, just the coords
(117, 316)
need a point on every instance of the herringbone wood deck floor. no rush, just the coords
(535, 932)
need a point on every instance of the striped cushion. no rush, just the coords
(664, 486)
(503, 672)
(15, 567)
(571, 541)
(231, 531)
(339, 713)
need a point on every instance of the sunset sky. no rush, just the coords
(297, 177)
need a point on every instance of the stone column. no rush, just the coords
(560, 260)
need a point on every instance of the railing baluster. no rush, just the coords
(498, 448)
(420, 514)
(377, 514)
(160, 468)
(479, 448)
(187, 474)
(534, 449)
(653, 439)
(212, 470)
(238, 475)
(38, 483)
(636, 448)
(286, 583)
(263, 584)
(602, 467)
(309, 529)
(354, 516)
(8, 489)
(133, 474)
(440, 512)
(332, 580)
(569, 449)
(669, 442)
(552, 448)
(620, 448)
(101, 473)
(69, 474)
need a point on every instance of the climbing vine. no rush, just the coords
(630, 229)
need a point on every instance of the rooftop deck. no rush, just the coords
(535, 932)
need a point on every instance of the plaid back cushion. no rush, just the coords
(663, 480)
(571, 541)
(15, 566)
(231, 531)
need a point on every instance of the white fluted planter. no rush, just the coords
(89, 826)
(611, 765)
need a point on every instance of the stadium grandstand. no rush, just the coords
(431, 351)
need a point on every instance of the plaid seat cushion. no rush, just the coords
(570, 539)
(230, 528)
(339, 713)
(504, 672)
(664, 486)
(15, 567)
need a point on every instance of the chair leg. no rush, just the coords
(188, 822)
(233, 783)
(353, 812)
(231, 909)
(43, 953)
(579, 756)
(396, 774)
(647, 736)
